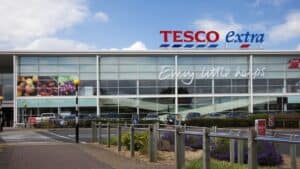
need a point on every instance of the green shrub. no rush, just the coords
(140, 141)
(216, 164)
(113, 140)
(220, 122)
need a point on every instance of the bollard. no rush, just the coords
(108, 135)
(100, 133)
(293, 150)
(119, 137)
(232, 150)
(240, 151)
(252, 149)
(152, 144)
(206, 148)
(132, 141)
(94, 132)
(179, 147)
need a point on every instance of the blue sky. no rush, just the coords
(135, 24)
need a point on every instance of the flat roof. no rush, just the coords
(147, 52)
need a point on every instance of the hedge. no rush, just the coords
(281, 121)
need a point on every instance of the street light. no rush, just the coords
(76, 82)
(1, 114)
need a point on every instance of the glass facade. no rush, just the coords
(161, 83)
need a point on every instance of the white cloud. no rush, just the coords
(220, 26)
(271, 2)
(101, 17)
(298, 48)
(288, 29)
(23, 21)
(138, 45)
(56, 44)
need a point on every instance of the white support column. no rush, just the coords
(97, 85)
(137, 99)
(251, 83)
(15, 74)
(176, 84)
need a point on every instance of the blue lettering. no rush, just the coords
(260, 38)
(229, 36)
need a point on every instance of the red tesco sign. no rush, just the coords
(260, 127)
(294, 63)
(190, 36)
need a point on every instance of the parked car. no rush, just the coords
(192, 115)
(216, 115)
(171, 118)
(236, 115)
(45, 117)
(151, 117)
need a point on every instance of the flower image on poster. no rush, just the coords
(27, 86)
(47, 86)
(66, 85)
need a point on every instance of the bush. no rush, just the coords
(113, 141)
(140, 141)
(194, 142)
(266, 155)
(220, 122)
(215, 164)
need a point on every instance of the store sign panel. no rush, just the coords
(187, 76)
(207, 39)
(294, 63)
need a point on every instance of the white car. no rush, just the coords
(45, 117)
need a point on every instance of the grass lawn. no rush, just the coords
(216, 164)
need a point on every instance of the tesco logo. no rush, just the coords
(190, 36)
(209, 39)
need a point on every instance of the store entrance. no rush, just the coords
(8, 117)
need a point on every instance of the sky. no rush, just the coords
(135, 24)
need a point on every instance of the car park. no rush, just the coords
(192, 116)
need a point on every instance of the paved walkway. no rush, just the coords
(65, 156)
(29, 149)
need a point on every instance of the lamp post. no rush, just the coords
(76, 82)
(1, 114)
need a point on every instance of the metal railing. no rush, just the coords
(241, 136)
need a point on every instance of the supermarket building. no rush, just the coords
(153, 81)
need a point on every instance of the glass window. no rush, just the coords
(48, 60)
(275, 85)
(260, 86)
(47, 68)
(293, 85)
(222, 86)
(87, 60)
(68, 60)
(28, 68)
(87, 68)
(68, 68)
(28, 60)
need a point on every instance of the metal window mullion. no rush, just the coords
(176, 84)
(15, 73)
(251, 83)
(97, 84)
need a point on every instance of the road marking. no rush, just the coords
(65, 137)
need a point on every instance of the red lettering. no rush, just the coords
(176, 36)
(197, 36)
(188, 36)
(212, 36)
(165, 35)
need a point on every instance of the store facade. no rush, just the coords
(162, 82)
